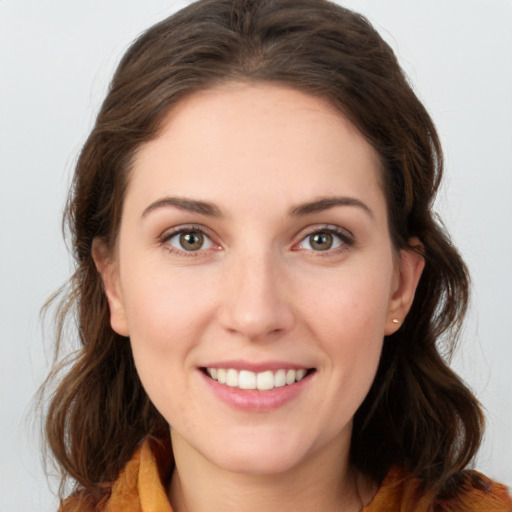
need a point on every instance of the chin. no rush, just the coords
(258, 461)
(260, 452)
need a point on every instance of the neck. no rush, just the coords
(322, 482)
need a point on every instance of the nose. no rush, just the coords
(255, 298)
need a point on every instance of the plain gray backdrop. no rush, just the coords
(56, 57)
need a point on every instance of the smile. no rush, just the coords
(261, 381)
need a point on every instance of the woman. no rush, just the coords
(261, 284)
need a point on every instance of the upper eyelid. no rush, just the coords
(170, 232)
(338, 230)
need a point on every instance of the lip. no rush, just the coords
(256, 367)
(255, 400)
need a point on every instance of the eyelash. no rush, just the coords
(346, 240)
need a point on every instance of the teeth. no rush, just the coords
(221, 376)
(280, 379)
(300, 375)
(247, 380)
(265, 381)
(262, 381)
(232, 378)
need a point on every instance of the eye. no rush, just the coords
(326, 239)
(189, 240)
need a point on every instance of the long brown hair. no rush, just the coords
(418, 413)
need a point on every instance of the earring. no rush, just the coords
(395, 321)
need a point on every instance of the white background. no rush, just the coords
(56, 57)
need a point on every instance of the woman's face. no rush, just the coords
(255, 276)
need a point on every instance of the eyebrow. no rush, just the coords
(211, 210)
(190, 205)
(326, 203)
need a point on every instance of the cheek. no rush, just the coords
(165, 320)
(348, 320)
(357, 302)
(168, 315)
(162, 308)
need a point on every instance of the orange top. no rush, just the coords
(139, 488)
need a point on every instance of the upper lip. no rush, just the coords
(256, 367)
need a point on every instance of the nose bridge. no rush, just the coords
(255, 302)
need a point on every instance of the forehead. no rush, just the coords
(268, 142)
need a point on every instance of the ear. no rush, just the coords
(409, 271)
(107, 267)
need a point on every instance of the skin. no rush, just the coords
(258, 290)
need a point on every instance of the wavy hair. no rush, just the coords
(418, 413)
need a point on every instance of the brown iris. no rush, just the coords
(191, 240)
(321, 241)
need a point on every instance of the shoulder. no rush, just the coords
(474, 492)
(141, 484)
(80, 501)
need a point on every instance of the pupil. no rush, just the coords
(321, 241)
(191, 241)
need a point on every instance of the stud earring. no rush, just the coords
(395, 321)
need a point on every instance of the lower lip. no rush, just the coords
(254, 400)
